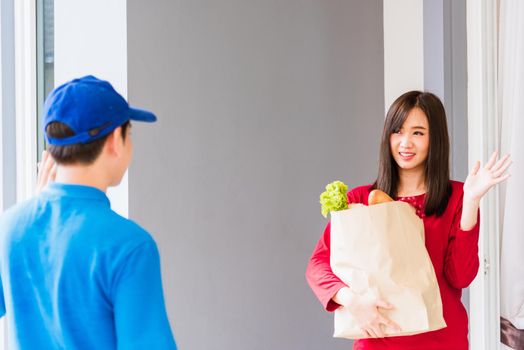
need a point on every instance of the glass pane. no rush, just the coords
(45, 60)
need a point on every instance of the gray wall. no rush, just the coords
(445, 71)
(260, 104)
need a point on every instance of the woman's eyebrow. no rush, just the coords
(418, 127)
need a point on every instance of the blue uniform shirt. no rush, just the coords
(76, 275)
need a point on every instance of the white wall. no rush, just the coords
(403, 48)
(91, 38)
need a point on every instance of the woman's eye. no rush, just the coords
(419, 133)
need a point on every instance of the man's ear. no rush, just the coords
(113, 146)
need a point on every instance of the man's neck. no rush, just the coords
(86, 175)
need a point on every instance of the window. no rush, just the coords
(45, 62)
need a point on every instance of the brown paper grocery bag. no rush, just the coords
(380, 249)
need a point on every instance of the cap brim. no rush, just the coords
(141, 115)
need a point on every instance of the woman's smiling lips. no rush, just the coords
(406, 155)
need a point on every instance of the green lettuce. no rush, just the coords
(334, 198)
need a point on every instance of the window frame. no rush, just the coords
(483, 121)
(26, 97)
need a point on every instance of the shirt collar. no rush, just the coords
(75, 191)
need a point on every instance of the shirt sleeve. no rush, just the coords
(141, 320)
(324, 283)
(462, 260)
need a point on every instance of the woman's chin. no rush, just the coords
(409, 165)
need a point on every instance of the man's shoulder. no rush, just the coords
(18, 211)
(126, 228)
(126, 222)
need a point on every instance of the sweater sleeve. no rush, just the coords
(462, 260)
(324, 283)
(319, 275)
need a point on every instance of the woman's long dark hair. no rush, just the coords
(437, 164)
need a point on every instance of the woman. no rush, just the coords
(414, 167)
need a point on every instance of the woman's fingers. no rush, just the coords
(378, 331)
(388, 323)
(384, 304)
(384, 320)
(475, 169)
(491, 160)
(375, 330)
(501, 179)
(502, 169)
(372, 332)
(501, 162)
(374, 327)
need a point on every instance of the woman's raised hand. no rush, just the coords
(481, 179)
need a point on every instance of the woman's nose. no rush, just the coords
(405, 141)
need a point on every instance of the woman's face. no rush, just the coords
(410, 144)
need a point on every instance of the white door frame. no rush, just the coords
(26, 111)
(482, 140)
(21, 15)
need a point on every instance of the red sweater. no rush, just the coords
(454, 254)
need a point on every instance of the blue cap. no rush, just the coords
(91, 108)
